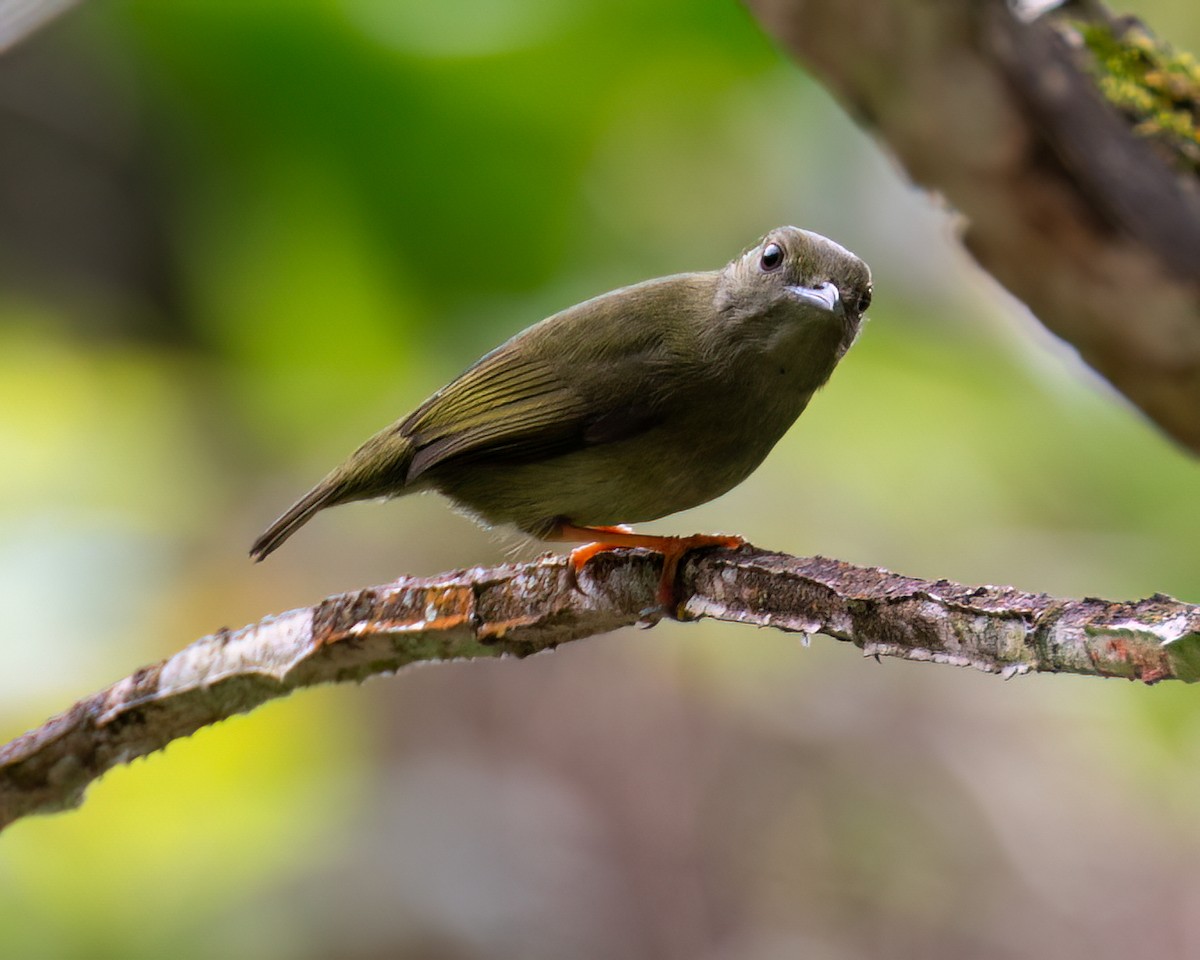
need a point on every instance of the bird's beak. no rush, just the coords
(824, 297)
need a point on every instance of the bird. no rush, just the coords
(635, 404)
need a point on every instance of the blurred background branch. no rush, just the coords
(526, 609)
(1069, 204)
(20, 18)
(237, 237)
(1066, 202)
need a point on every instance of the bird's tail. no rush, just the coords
(378, 468)
(325, 494)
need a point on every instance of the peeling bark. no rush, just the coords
(519, 610)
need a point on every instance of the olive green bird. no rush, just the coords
(624, 408)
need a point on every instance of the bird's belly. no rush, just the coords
(675, 466)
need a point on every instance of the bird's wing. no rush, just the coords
(512, 407)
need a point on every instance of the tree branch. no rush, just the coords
(520, 610)
(22, 18)
(1078, 215)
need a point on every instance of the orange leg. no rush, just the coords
(673, 550)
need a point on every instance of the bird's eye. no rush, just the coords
(772, 257)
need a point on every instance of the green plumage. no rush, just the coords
(627, 407)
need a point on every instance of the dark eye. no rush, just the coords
(772, 257)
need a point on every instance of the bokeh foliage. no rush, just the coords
(237, 237)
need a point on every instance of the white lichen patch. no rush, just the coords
(1168, 630)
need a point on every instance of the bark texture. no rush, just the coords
(1080, 217)
(519, 610)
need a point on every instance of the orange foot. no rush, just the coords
(673, 550)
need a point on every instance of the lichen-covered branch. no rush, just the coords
(1069, 201)
(520, 610)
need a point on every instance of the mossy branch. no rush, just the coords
(519, 610)
(1156, 87)
(1085, 209)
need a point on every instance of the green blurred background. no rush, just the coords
(236, 238)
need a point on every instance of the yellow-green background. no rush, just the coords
(235, 238)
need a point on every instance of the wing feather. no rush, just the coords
(506, 406)
(527, 399)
